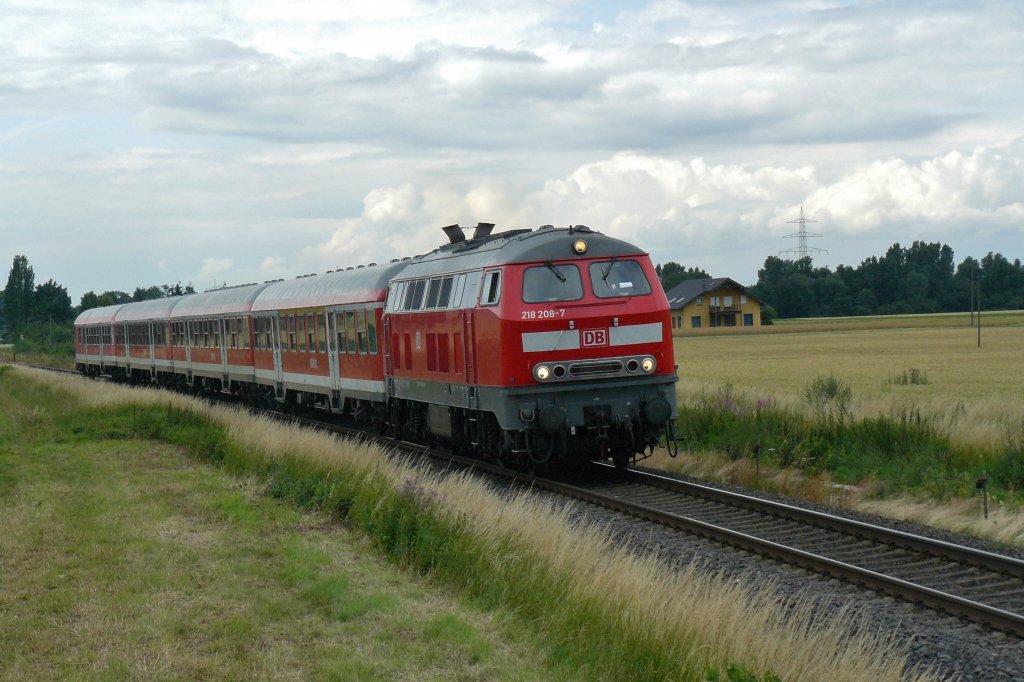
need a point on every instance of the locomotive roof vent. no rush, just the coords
(454, 233)
(579, 228)
(483, 230)
(546, 227)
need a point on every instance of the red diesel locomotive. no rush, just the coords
(527, 345)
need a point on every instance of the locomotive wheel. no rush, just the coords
(620, 461)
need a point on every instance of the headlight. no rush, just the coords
(580, 246)
(648, 365)
(542, 372)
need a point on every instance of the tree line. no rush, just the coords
(921, 278)
(38, 317)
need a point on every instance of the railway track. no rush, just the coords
(980, 586)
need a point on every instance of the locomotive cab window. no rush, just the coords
(548, 283)
(617, 278)
(492, 288)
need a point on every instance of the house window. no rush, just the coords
(748, 319)
(700, 300)
(743, 299)
(727, 300)
(695, 321)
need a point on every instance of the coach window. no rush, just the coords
(292, 342)
(339, 326)
(300, 332)
(321, 332)
(617, 278)
(371, 330)
(492, 288)
(245, 333)
(350, 330)
(216, 324)
(311, 333)
(361, 331)
(549, 283)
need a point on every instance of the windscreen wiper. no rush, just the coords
(558, 274)
(608, 269)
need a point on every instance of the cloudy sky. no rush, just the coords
(149, 142)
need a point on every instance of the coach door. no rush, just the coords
(278, 367)
(332, 358)
(222, 325)
(152, 348)
(127, 346)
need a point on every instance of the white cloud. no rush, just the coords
(321, 134)
(213, 267)
(956, 190)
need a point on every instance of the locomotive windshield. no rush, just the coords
(549, 282)
(616, 278)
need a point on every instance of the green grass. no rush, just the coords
(125, 557)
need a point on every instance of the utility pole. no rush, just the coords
(972, 295)
(979, 312)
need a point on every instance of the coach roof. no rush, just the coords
(355, 285)
(153, 309)
(104, 315)
(229, 301)
(519, 246)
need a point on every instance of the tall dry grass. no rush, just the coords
(700, 619)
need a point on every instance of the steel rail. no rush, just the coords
(966, 555)
(991, 616)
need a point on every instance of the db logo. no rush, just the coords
(595, 337)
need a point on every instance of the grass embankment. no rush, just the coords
(124, 558)
(602, 612)
(920, 413)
